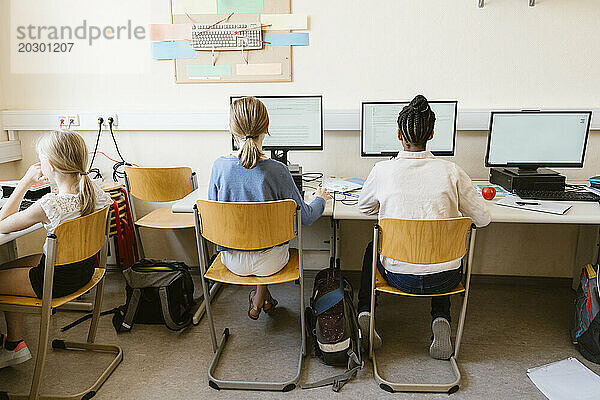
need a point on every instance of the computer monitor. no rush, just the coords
(531, 139)
(295, 123)
(379, 128)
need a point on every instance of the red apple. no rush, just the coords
(488, 192)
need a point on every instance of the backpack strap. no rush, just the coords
(132, 307)
(338, 381)
(164, 305)
(329, 300)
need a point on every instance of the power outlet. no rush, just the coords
(72, 120)
(105, 117)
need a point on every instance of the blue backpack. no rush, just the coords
(585, 331)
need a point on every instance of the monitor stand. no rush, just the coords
(295, 169)
(531, 171)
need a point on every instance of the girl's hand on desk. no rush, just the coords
(322, 193)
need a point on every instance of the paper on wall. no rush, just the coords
(258, 69)
(164, 32)
(195, 6)
(284, 22)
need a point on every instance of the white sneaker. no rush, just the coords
(364, 319)
(13, 357)
(441, 346)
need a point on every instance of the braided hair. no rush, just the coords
(416, 121)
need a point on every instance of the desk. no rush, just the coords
(584, 214)
(186, 205)
(8, 245)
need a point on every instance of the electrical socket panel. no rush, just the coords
(105, 117)
(68, 121)
(73, 120)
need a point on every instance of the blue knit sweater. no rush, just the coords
(270, 180)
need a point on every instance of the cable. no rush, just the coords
(312, 176)
(96, 170)
(116, 173)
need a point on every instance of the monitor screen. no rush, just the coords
(379, 128)
(295, 122)
(537, 138)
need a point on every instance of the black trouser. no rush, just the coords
(440, 282)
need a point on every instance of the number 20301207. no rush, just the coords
(45, 47)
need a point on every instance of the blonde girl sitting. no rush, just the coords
(63, 158)
(250, 176)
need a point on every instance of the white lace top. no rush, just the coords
(64, 207)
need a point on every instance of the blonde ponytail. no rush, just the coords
(67, 152)
(248, 119)
(87, 195)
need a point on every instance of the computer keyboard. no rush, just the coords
(229, 36)
(556, 195)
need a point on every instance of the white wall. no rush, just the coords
(504, 55)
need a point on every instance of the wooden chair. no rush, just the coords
(422, 242)
(248, 226)
(72, 241)
(159, 185)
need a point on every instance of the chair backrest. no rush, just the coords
(247, 226)
(159, 184)
(424, 241)
(80, 238)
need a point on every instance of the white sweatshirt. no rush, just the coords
(416, 185)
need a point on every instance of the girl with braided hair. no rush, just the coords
(417, 185)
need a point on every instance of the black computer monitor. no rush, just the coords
(295, 123)
(528, 140)
(379, 127)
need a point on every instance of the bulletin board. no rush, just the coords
(268, 54)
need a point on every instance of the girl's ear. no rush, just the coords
(399, 135)
(431, 136)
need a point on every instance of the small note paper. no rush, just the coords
(172, 50)
(208, 71)
(286, 38)
(164, 32)
(284, 22)
(258, 69)
(241, 6)
(566, 380)
(194, 6)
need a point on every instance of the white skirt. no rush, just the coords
(257, 263)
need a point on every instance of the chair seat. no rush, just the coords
(57, 302)
(219, 272)
(164, 218)
(382, 286)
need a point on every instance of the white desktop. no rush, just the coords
(379, 128)
(295, 122)
(538, 138)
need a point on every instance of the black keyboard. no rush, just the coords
(556, 195)
(25, 204)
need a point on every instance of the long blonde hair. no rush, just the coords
(67, 152)
(248, 119)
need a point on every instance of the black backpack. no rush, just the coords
(158, 292)
(585, 330)
(332, 325)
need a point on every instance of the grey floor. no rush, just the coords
(511, 325)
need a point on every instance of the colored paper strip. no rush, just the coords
(202, 71)
(172, 50)
(241, 6)
(195, 6)
(258, 69)
(284, 22)
(286, 38)
(164, 32)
